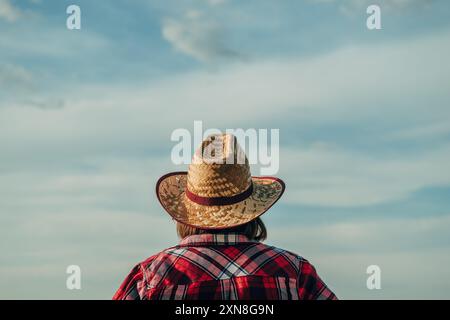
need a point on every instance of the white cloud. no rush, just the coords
(197, 36)
(374, 233)
(425, 132)
(8, 11)
(328, 176)
(13, 76)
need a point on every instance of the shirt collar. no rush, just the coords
(215, 239)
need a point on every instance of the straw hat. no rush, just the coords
(218, 191)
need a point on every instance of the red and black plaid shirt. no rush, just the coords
(223, 267)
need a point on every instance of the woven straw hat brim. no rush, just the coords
(170, 191)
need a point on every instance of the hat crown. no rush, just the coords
(219, 168)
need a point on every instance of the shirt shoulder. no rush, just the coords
(144, 264)
(292, 256)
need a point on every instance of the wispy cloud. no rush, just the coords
(13, 76)
(196, 35)
(328, 176)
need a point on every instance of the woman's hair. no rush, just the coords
(254, 230)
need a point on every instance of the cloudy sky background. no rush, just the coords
(86, 118)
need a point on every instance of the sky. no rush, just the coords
(86, 118)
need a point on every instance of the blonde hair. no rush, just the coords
(254, 230)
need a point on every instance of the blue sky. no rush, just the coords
(86, 118)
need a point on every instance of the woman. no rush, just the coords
(217, 205)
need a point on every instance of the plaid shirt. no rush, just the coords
(223, 267)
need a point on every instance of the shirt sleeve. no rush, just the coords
(310, 286)
(129, 289)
